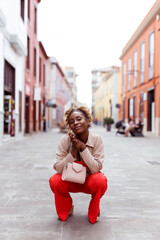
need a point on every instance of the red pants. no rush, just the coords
(95, 184)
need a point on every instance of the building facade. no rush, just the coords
(13, 48)
(32, 90)
(42, 85)
(71, 76)
(96, 79)
(107, 95)
(49, 123)
(61, 92)
(140, 96)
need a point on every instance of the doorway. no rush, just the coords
(34, 115)
(134, 108)
(151, 111)
(27, 115)
(128, 109)
(40, 115)
(9, 100)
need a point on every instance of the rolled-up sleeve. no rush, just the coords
(62, 155)
(94, 161)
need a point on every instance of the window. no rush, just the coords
(22, 9)
(35, 20)
(151, 55)
(28, 54)
(129, 73)
(135, 68)
(35, 61)
(142, 63)
(40, 69)
(124, 77)
(29, 13)
(44, 72)
(70, 74)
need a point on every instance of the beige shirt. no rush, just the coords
(93, 155)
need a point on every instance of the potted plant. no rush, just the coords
(108, 121)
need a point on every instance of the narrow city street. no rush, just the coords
(130, 209)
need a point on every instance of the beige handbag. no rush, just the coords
(74, 172)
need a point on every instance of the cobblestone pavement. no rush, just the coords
(130, 209)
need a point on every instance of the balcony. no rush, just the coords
(17, 44)
(2, 19)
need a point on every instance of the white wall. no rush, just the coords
(14, 23)
(14, 52)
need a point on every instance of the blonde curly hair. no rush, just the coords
(85, 110)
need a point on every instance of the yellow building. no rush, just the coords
(107, 95)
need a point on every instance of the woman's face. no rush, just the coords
(78, 122)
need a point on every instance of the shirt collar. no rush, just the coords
(90, 140)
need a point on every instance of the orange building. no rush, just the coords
(140, 95)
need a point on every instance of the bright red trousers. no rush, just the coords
(95, 184)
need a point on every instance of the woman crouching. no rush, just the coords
(86, 148)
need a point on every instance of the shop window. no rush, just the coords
(9, 103)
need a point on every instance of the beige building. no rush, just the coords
(96, 79)
(107, 95)
(71, 75)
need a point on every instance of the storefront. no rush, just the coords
(9, 100)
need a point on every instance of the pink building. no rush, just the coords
(42, 86)
(61, 94)
(31, 70)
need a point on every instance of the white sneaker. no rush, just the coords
(71, 210)
(98, 217)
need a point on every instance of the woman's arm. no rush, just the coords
(63, 155)
(94, 161)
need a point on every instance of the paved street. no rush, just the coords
(130, 209)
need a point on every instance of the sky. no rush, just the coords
(88, 34)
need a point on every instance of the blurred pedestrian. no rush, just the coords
(88, 147)
(129, 126)
(139, 125)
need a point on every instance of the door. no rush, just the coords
(134, 108)
(128, 108)
(150, 111)
(152, 116)
(40, 115)
(27, 115)
(34, 115)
